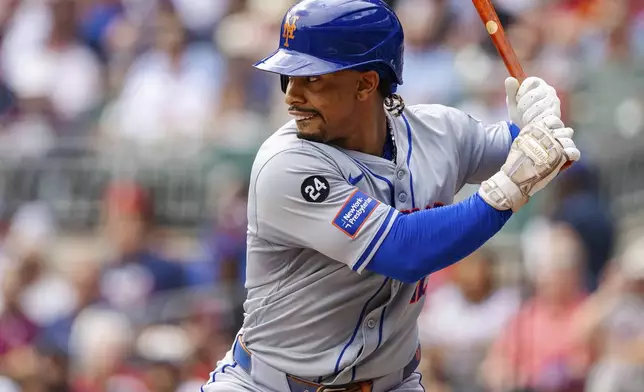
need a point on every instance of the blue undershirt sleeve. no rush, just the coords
(514, 130)
(426, 241)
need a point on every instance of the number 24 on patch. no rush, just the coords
(315, 189)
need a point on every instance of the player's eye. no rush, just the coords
(312, 79)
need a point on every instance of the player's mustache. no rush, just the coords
(303, 110)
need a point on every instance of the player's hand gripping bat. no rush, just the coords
(497, 34)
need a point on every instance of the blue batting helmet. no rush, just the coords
(325, 36)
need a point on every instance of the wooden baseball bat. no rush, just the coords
(497, 34)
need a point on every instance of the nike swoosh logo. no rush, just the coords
(355, 180)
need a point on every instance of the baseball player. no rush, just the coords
(350, 204)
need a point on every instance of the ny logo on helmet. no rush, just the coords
(289, 29)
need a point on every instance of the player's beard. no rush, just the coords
(311, 132)
(312, 137)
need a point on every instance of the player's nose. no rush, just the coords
(294, 94)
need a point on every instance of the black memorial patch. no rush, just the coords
(315, 189)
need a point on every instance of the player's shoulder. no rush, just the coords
(439, 112)
(284, 149)
(436, 120)
(284, 139)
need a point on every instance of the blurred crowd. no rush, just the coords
(134, 303)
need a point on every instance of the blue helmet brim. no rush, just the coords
(290, 63)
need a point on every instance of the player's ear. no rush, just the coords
(367, 84)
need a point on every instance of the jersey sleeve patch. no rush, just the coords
(315, 189)
(354, 213)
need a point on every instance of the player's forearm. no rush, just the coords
(427, 241)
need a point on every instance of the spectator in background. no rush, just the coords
(31, 133)
(223, 265)
(43, 58)
(95, 21)
(537, 350)
(165, 349)
(461, 319)
(136, 271)
(249, 102)
(85, 280)
(201, 16)
(7, 9)
(610, 96)
(52, 372)
(20, 359)
(170, 92)
(8, 385)
(225, 238)
(430, 72)
(7, 102)
(576, 202)
(210, 339)
(100, 344)
(46, 295)
(34, 294)
(612, 322)
(613, 30)
(55, 81)
(16, 329)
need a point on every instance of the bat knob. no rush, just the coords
(566, 165)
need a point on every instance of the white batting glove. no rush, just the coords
(532, 101)
(536, 101)
(535, 158)
(564, 136)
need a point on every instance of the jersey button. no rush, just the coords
(400, 174)
(371, 323)
(402, 197)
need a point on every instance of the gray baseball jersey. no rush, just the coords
(318, 213)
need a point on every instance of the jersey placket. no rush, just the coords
(373, 328)
(403, 187)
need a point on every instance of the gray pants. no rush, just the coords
(229, 377)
